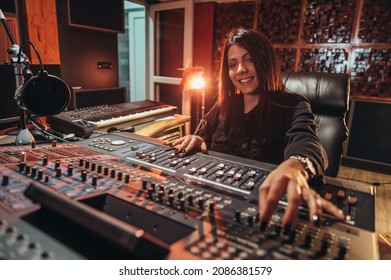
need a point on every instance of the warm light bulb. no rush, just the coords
(197, 82)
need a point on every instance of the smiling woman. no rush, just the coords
(256, 118)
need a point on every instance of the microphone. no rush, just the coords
(43, 95)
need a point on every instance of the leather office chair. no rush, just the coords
(328, 94)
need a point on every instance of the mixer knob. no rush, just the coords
(93, 166)
(57, 164)
(160, 195)
(81, 162)
(171, 190)
(99, 170)
(22, 165)
(190, 200)
(23, 157)
(40, 174)
(70, 170)
(27, 169)
(58, 172)
(5, 180)
(33, 145)
(182, 203)
(171, 200)
(180, 195)
(84, 175)
(153, 186)
(150, 193)
(237, 217)
(45, 160)
(119, 176)
(127, 178)
(201, 203)
(94, 180)
(106, 171)
(112, 173)
(144, 184)
(33, 172)
(54, 143)
(87, 164)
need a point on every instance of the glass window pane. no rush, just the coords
(169, 43)
(169, 94)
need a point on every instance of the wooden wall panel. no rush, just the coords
(339, 36)
(42, 30)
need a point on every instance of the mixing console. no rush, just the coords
(136, 194)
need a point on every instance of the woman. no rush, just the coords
(256, 118)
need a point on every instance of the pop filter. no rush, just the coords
(45, 95)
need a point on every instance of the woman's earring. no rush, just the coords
(237, 91)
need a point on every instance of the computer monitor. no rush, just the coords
(82, 98)
(368, 146)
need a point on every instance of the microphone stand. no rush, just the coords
(19, 62)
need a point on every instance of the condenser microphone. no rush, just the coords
(44, 95)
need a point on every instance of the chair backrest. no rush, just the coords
(328, 94)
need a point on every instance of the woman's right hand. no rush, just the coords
(188, 143)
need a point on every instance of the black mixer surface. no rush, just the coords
(191, 207)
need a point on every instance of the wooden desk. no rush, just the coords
(382, 204)
(166, 128)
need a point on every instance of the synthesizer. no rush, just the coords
(129, 196)
(105, 118)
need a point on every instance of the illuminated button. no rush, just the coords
(231, 173)
(352, 200)
(237, 176)
(328, 196)
(341, 193)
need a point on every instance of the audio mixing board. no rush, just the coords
(132, 197)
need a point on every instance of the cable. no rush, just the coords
(45, 132)
(36, 51)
